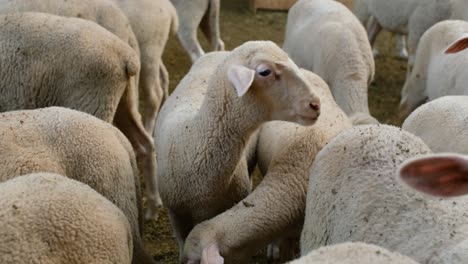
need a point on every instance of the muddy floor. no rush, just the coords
(239, 24)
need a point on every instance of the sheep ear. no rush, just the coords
(210, 255)
(459, 45)
(241, 77)
(443, 175)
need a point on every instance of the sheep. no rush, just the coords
(151, 21)
(203, 128)
(361, 11)
(435, 73)
(442, 175)
(79, 146)
(198, 13)
(47, 218)
(40, 51)
(412, 17)
(449, 113)
(275, 209)
(354, 195)
(347, 66)
(351, 253)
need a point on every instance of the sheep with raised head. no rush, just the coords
(40, 51)
(108, 15)
(436, 73)
(151, 21)
(275, 209)
(48, 218)
(204, 126)
(347, 65)
(198, 13)
(447, 114)
(354, 196)
(78, 146)
(352, 253)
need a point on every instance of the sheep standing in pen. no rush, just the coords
(108, 15)
(361, 10)
(203, 128)
(47, 218)
(56, 61)
(275, 209)
(78, 146)
(151, 21)
(352, 253)
(354, 195)
(436, 73)
(441, 124)
(325, 37)
(198, 13)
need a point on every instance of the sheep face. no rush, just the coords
(280, 87)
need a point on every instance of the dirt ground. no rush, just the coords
(239, 24)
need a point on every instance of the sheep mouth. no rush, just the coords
(307, 120)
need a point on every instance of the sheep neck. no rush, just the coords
(226, 123)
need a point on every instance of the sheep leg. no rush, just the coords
(164, 77)
(210, 25)
(188, 38)
(373, 29)
(127, 119)
(181, 227)
(400, 45)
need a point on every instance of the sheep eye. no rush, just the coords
(265, 73)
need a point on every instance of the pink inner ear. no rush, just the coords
(459, 45)
(210, 255)
(444, 176)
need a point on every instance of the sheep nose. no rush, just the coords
(315, 106)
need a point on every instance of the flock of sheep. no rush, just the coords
(85, 110)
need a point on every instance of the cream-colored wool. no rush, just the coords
(49, 60)
(151, 21)
(276, 207)
(107, 14)
(436, 74)
(353, 253)
(49, 219)
(355, 195)
(441, 124)
(325, 37)
(204, 126)
(198, 13)
(79, 146)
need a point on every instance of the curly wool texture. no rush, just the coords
(47, 218)
(352, 253)
(436, 74)
(347, 66)
(276, 207)
(354, 195)
(76, 145)
(45, 48)
(442, 124)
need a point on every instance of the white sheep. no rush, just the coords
(198, 13)
(47, 218)
(441, 124)
(78, 146)
(151, 21)
(361, 10)
(352, 253)
(413, 17)
(275, 209)
(436, 73)
(354, 196)
(40, 51)
(346, 65)
(203, 127)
